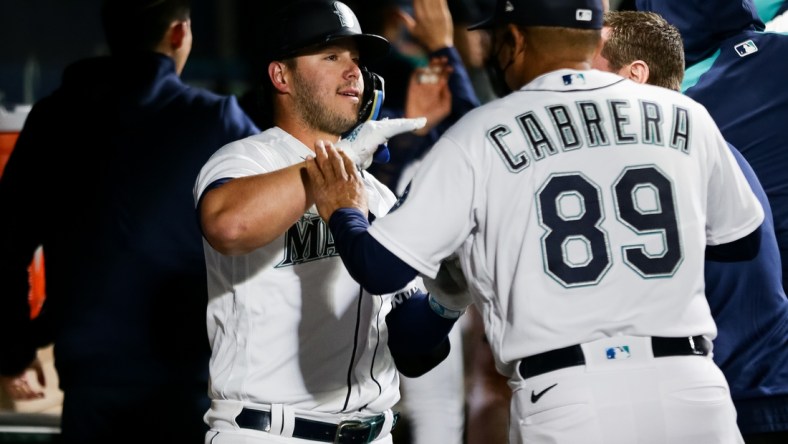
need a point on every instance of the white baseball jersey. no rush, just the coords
(287, 323)
(589, 201)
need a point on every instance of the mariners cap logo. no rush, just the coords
(346, 16)
(509, 7)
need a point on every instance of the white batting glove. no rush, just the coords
(449, 295)
(365, 139)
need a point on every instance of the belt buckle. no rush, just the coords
(351, 428)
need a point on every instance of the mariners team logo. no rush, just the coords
(346, 16)
(309, 239)
(746, 48)
(618, 352)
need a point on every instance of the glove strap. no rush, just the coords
(442, 311)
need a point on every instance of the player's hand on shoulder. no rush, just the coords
(334, 181)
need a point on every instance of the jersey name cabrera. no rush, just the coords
(599, 124)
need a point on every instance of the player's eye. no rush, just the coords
(332, 57)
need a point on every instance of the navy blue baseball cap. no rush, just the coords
(301, 24)
(581, 14)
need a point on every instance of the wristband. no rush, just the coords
(442, 311)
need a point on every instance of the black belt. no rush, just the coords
(347, 432)
(573, 355)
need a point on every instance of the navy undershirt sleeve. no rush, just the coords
(743, 249)
(369, 263)
(414, 327)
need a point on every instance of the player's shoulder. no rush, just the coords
(666, 98)
(271, 149)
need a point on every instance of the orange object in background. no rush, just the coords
(7, 141)
(10, 125)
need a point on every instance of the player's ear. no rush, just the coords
(517, 40)
(177, 33)
(514, 38)
(277, 74)
(637, 71)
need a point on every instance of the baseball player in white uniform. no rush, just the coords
(300, 352)
(581, 206)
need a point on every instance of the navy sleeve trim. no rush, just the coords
(743, 249)
(369, 263)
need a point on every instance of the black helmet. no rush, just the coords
(304, 23)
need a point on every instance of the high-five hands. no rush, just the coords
(361, 144)
(336, 183)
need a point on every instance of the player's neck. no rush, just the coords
(305, 134)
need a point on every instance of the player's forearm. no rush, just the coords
(250, 212)
(378, 270)
(415, 327)
(418, 336)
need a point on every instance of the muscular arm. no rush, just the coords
(247, 213)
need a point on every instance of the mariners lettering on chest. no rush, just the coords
(309, 239)
(591, 125)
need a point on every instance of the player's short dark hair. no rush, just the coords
(139, 25)
(641, 35)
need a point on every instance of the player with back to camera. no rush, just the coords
(301, 353)
(581, 206)
(125, 270)
(746, 298)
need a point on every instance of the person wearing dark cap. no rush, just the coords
(581, 207)
(302, 353)
(101, 176)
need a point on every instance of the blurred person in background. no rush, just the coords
(731, 67)
(774, 14)
(125, 273)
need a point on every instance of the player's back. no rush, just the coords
(594, 201)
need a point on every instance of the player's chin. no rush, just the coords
(349, 110)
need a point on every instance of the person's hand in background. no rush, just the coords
(431, 24)
(429, 94)
(20, 388)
